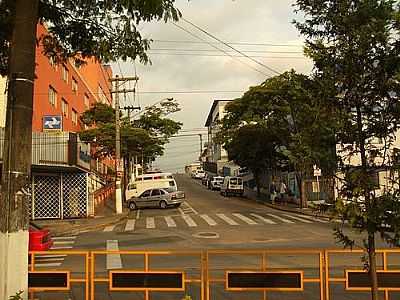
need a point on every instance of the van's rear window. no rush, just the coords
(233, 181)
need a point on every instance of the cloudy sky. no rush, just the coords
(196, 69)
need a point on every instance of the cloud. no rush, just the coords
(246, 21)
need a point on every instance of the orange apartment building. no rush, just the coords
(65, 177)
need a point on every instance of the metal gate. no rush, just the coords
(59, 196)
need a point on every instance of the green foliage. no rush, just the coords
(107, 30)
(146, 136)
(355, 48)
(17, 296)
(299, 127)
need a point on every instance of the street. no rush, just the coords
(206, 221)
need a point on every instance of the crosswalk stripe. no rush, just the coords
(170, 221)
(47, 265)
(56, 238)
(50, 256)
(268, 221)
(189, 221)
(227, 219)
(48, 259)
(61, 247)
(109, 228)
(130, 225)
(209, 221)
(298, 219)
(281, 219)
(150, 224)
(62, 242)
(316, 219)
(113, 261)
(245, 219)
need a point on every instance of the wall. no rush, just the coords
(3, 101)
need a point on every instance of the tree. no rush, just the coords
(288, 106)
(106, 30)
(253, 146)
(355, 48)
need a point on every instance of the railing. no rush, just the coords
(218, 274)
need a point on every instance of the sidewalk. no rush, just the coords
(288, 207)
(104, 216)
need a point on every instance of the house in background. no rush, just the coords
(65, 177)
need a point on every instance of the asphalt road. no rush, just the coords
(209, 221)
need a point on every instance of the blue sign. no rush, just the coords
(52, 122)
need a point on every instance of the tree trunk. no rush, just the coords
(372, 266)
(17, 156)
(299, 180)
(369, 207)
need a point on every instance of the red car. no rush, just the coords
(39, 239)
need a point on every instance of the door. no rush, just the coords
(156, 196)
(144, 199)
(46, 195)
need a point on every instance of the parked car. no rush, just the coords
(39, 239)
(156, 198)
(199, 174)
(205, 179)
(216, 182)
(232, 186)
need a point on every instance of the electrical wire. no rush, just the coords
(230, 43)
(238, 51)
(233, 56)
(222, 50)
(211, 50)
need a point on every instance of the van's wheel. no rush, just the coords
(132, 205)
(163, 204)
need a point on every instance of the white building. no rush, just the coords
(217, 157)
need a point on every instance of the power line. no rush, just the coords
(230, 43)
(211, 50)
(221, 55)
(238, 51)
(222, 50)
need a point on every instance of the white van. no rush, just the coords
(150, 181)
(232, 186)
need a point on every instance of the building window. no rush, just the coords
(64, 107)
(65, 74)
(86, 101)
(74, 85)
(52, 96)
(74, 117)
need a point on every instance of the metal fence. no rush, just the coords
(205, 275)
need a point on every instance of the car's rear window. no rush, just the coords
(233, 181)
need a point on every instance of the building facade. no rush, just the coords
(64, 174)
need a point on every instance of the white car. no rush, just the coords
(216, 182)
(199, 174)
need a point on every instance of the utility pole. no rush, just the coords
(119, 161)
(201, 145)
(17, 156)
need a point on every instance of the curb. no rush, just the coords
(287, 209)
(79, 229)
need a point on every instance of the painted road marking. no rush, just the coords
(109, 228)
(281, 219)
(227, 219)
(138, 214)
(47, 265)
(268, 221)
(245, 219)
(181, 211)
(56, 238)
(170, 221)
(130, 225)
(209, 221)
(50, 256)
(62, 242)
(113, 261)
(150, 223)
(191, 208)
(189, 221)
(298, 219)
(316, 219)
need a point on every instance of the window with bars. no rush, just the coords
(65, 73)
(86, 101)
(74, 117)
(64, 107)
(74, 85)
(52, 96)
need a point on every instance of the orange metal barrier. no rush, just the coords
(146, 256)
(72, 277)
(264, 264)
(383, 265)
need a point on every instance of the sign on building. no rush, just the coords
(52, 123)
